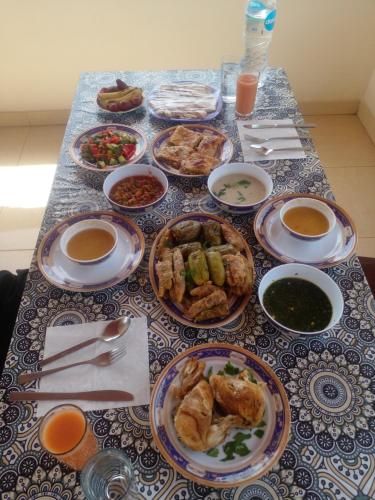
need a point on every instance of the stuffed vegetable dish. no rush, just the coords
(203, 268)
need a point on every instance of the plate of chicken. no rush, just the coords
(201, 270)
(219, 415)
(191, 150)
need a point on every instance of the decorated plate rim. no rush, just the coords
(263, 241)
(201, 126)
(93, 288)
(165, 303)
(285, 405)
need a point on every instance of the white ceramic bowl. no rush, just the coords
(244, 169)
(81, 226)
(129, 171)
(309, 273)
(311, 203)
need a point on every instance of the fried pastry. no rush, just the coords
(198, 164)
(238, 396)
(178, 275)
(183, 136)
(239, 274)
(232, 237)
(214, 299)
(210, 144)
(173, 155)
(164, 269)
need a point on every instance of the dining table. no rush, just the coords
(329, 378)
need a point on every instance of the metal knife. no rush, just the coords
(104, 395)
(278, 125)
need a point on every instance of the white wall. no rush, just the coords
(327, 46)
(369, 97)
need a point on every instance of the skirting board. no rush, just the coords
(60, 116)
(367, 119)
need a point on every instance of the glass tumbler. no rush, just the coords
(108, 476)
(229, 71)
(65, 433)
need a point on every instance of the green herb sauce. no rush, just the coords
(298, 304)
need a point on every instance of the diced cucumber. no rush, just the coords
(101, 164)
(112, 161)
(121, 159)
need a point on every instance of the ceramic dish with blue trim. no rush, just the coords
(264, 445)
(75, 146)
(185, 119)
(236, 304)
(225, 153)
(123, 261)
(328, 251)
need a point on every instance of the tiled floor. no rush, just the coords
(28, 160)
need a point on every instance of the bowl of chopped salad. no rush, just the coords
(106, 147)
(135, 189)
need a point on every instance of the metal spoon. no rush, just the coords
(114, 330)
(260, 140)
(262, 150)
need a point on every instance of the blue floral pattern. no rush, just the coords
(329, 379)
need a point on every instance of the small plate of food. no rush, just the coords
(105, 147)
(185, 101)
(191, 150)
(306, 229)
(202, 271)
(219, 415)
(120, 98)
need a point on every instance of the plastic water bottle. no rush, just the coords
(259, 23)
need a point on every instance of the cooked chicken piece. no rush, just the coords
(238, 396)
(194, 416)
(179, 284)
(216, 312)
(214, 299)
(165, 242)
(239, 274)
(203, 290)
(190, 375)
(232, 237)
(164, 270)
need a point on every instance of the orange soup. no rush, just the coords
(90, 244)
(64, 431)
(306, 220)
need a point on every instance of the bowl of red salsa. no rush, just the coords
(135, 189)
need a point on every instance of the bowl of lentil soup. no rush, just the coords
(135, 189)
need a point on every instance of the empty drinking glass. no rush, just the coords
(108, 476)
(229, 71)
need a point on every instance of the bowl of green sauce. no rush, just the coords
(300, 299)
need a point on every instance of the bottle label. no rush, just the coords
(269, 22)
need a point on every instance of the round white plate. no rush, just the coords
(328, 251)
(69, 275)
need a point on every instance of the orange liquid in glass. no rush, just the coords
(64, 431)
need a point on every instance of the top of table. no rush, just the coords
(329, 378)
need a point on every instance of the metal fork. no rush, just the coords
(104, 359)
(262, 150)
(259, 140)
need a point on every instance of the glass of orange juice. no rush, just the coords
(65, 433)
(246, 91)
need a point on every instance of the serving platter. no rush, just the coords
(69, 275)
(328, 251)
(236, 305)
(75, 153)
(210, 116)
(161, 139)
(265, 447)
(120, 112)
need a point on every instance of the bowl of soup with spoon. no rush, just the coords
(89, 241)
(307, 218)
(239, 188)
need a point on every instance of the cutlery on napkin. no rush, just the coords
(107, 395)
(130, 372)
(288, 131)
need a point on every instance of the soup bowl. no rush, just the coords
(239, 169)
(313, 275)
(84, 225)
(122, 173)
(320, 206)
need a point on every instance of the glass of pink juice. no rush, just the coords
(247, 84)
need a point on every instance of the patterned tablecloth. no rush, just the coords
(330, 379)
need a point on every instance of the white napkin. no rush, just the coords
(250, 154)
(130, 373)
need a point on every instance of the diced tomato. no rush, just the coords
(128, 150)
